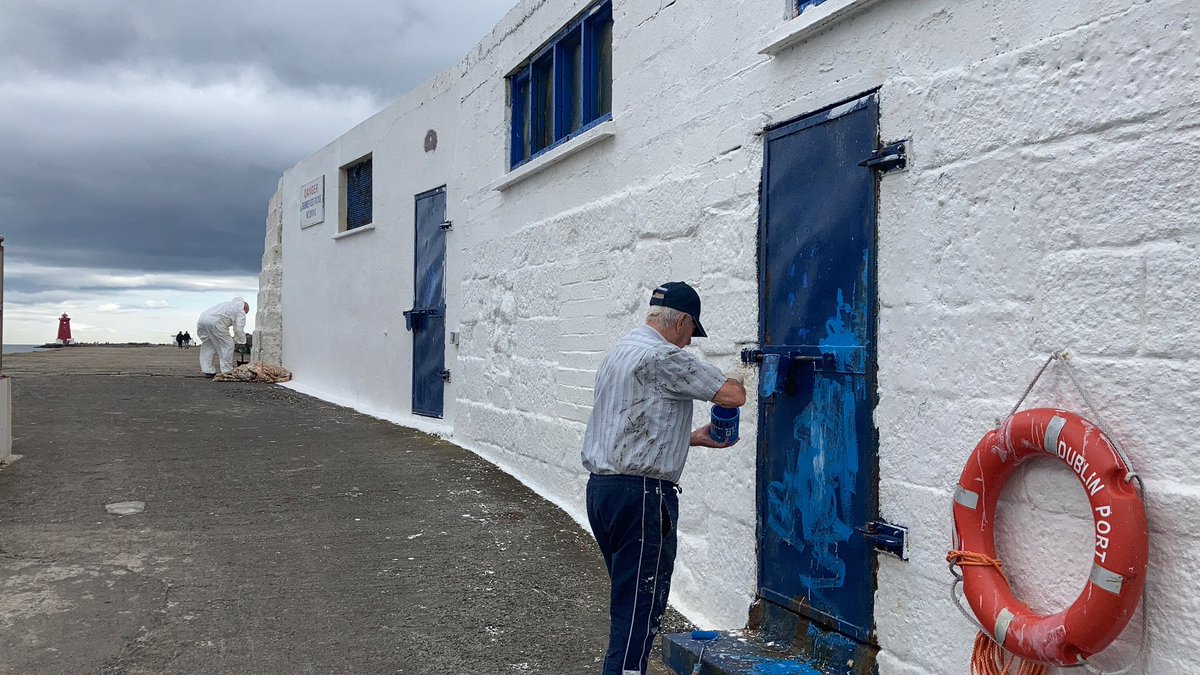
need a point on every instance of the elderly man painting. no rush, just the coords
(635, 447)
(216, 345)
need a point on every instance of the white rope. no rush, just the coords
(1130, 473)
(971, 618)
(1038, 376)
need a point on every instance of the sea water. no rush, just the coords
(22, 349)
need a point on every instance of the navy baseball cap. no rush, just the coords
(678, 295)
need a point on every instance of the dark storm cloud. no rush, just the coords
(150, 212)
(382, 46)
(149, 135)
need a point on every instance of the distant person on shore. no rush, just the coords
(179, 339)
(187, 340)
(216, 345)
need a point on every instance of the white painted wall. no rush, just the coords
(268, 318)
(344, 335)
(1049, 204)
(6, 453)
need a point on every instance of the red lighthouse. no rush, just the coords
(64, 329)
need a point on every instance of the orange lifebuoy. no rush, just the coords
(1118, 574)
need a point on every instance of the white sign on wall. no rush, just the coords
(312, 202)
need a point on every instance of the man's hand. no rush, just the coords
(701, 438)
(732, 394)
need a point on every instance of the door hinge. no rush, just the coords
(446, 224)
(886, 538)
(891, 157)
(445, 375)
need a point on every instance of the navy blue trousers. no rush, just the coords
(634, 519)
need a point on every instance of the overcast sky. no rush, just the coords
(141, 140)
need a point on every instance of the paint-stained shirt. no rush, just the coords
(641, 420)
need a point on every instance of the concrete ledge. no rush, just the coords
(536, 165)
(787, 645)
(729, 654)
(811, 21)
(5, 420)
(370, 227)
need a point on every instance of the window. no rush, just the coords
(564, 88)
(356, 188)
(801, 5)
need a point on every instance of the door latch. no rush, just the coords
(412, 317)
(751, 356)
(825, 361)
(445, 375)
(446, 224)
(886, 538)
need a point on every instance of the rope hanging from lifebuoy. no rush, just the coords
(1118, 573)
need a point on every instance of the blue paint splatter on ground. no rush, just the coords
(783, 668)
(834, 643)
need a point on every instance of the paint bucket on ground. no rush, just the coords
(724, 424)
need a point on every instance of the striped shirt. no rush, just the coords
(641, 420)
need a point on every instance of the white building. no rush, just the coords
(1048, 202)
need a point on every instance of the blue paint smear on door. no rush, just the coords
(810, 506)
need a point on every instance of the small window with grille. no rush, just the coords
(802, 5)
(356, 194)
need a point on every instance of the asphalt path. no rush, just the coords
(281, 534)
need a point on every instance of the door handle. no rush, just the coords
(412, 317)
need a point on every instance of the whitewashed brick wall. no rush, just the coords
(1047, 210)
(1050, 204)
(268, 317)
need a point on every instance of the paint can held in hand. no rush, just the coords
(724, 425)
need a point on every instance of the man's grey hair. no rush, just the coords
(663, 317)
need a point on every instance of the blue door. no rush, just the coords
(817, 467)
(427, 318)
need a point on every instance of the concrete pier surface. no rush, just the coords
(281, 534)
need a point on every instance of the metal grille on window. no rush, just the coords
(358, 195)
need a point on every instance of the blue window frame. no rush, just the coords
(568, 54)
(521, 133)
(801, 5)
(563, 88)
(541, 112)
(357, 178)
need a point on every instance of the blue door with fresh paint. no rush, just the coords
(427, 318)
(817, 466)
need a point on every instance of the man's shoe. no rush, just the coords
(210, 375)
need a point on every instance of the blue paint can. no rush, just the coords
(724, 424)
